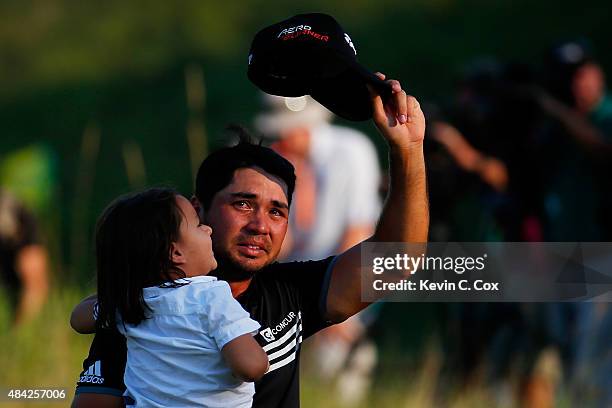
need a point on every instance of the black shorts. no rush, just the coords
(104, 366)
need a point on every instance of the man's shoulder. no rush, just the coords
(278, 269)
(294, 273)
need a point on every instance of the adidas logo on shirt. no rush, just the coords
(93, 374)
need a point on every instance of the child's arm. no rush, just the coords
(82, 318)
(247, 360)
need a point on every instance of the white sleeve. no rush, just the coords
(365, 176)
(222, 316)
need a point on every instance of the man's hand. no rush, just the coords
(400, 120)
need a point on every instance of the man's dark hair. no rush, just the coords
(134, 235)
(217, 170)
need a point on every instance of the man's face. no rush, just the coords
(249, 220)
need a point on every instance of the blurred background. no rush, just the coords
(98, 99)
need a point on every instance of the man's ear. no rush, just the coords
(176, 254)
(197, 206)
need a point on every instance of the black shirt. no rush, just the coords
(287, 299)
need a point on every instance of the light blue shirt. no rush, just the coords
(174, 357)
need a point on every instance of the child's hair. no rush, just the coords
(134, 235)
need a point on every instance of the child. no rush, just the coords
(189, 342)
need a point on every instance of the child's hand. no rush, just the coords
(82, 317)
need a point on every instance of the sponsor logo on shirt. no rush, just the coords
(93, 375)
(269, 332)
(283, 340)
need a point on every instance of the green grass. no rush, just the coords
(46, 353)
(43, 353)
(401, 383)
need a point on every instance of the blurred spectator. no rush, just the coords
(336, 205)
(23, 259)
(490, 187)
(578, 196)
(336, 202)
(462, 180)
(500, 120)
(578, 207)
(490, 170)
(492, 198)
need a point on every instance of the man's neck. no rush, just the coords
(238, 288)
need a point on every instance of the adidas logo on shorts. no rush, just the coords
(93, 375)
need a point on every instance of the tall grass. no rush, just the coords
(43, 353)
(46, 353)
(405, 383)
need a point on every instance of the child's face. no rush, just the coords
(193, 252)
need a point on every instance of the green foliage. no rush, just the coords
(55, 41)
(118, 68)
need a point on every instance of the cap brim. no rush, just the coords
(347, 94)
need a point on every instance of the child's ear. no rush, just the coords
(176, 255)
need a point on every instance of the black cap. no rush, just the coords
(310, 54)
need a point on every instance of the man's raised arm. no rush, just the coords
(405, 216)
